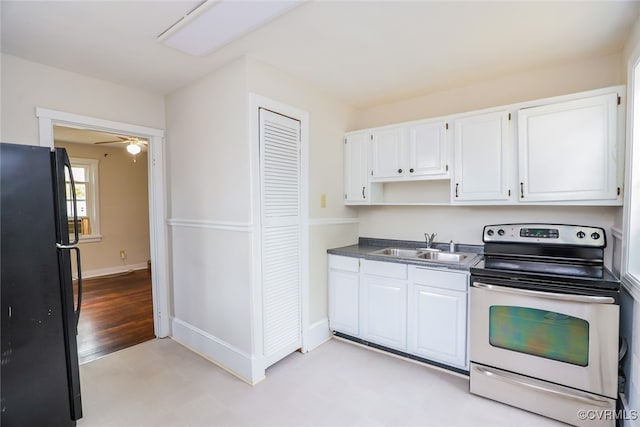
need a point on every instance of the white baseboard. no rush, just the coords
(221, 353)
(317, 334)
(87, 274)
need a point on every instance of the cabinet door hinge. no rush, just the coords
(372, 137)
(446, 168)
(509, 193)
(345, 196)
(618, 191)
(371, 172)
(509, 116)
(345, 140)
(619, 99)
(446, 126)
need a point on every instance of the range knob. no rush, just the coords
(490, 232)
(501, 232)
(580, 235)
(595, 235)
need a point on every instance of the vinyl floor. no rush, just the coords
(161, 383)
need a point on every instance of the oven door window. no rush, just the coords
(540, 333)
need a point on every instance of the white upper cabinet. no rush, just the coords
(413, 151)
(481, 155)
(427, 149)
(356, 180)
(568, 151)
(387, 153)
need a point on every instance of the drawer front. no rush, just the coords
(385, 269)
(344, 263)
(451, 280)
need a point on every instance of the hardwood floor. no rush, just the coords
(117, 312)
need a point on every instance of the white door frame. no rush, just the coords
(157, 197)
(255, 103)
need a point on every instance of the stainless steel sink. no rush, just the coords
(423, 255)
(399, 252)
(443, 256)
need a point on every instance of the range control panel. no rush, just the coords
(554, 234)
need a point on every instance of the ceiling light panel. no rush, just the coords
(218, 22)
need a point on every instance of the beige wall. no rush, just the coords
(123, 209)
(539, 83)
(25, 85)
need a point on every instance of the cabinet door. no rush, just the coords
(438, 324)
(427, 150)
(356, 151)
(568, 150)
(384, 312)
(344, 300)
(482, 147)
(387, 153)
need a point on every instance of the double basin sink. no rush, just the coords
(425, 255)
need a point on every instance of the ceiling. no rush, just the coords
(363, 52)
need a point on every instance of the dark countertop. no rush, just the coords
(367, 245)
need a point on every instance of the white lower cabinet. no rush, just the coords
(384, 311)
(417, 310)
(344, 294)
(437, 316)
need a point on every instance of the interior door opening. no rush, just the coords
(110, 171)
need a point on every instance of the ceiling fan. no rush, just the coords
(133, 144)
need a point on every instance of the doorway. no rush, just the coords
(111, 184)
(156, 190)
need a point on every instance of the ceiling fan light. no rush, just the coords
(133, 148)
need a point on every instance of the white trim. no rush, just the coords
(158, 235)
(93, 202)
(632, 284)
(314, 222)
(255, 102)
(221, 353)
(99, 272)
(617, 233)
(84, 122)
(215, 225)
(319, 333)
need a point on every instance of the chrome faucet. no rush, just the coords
(429, 239)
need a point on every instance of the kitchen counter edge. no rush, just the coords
(367, 245)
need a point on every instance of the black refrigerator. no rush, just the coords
(39, 378)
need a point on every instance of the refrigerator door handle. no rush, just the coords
(79, 303)
(67, 165)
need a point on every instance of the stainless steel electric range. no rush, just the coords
(544, 320)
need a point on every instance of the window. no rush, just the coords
(85, 176)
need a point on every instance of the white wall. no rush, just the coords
(209, 179)
(464, 224)
(329, 119)
(209, 150)
(25, 85)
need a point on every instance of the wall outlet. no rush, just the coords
(323, 200)
(123, 255)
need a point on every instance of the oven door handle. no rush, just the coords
(548, 388)
(547, 295)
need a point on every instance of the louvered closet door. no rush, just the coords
(281, 234)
